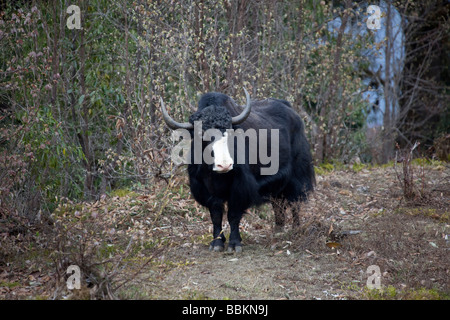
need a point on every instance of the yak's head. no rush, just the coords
(215, 120)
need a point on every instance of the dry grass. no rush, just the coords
(354, 219)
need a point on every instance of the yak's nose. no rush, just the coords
(224, 167)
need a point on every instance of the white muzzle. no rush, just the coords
(223, 162)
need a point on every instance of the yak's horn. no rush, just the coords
(244, 114)
(172, 123)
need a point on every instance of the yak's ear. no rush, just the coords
(195, 117)
(236, 126)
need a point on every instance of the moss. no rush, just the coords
(389, 164)
(426, 294)
(9, 285)
(357, 167)
(123, 193)
(430, 162)
(327, 166)
(319, 171)
(195, 295)
(425, 212)
(336, 165)
(323, 168)
(391, 293)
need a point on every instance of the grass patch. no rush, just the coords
(9, 285)
(392, 293)
(425, 212)
(428, 162)
(324, 168)
(357, 167)
(123, 193)
(195, 295)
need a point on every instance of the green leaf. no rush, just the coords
(81, 99)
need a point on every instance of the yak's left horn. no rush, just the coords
(244, 114)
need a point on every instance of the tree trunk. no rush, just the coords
(329, 101)
(389, 112)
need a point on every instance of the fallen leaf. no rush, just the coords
(371, 253)
(333, 245)
(330, 230)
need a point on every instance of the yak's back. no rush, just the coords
(266, 114)
(272, 114)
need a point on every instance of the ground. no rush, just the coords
(153, 244)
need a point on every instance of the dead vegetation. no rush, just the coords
(153, 244)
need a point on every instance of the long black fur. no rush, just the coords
(244, 186)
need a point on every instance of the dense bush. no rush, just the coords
(79, 108)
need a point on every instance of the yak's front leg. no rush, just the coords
(216, 212)
(234, 218)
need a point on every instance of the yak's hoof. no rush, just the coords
(216, 248)
(236, 248)
(217, 245)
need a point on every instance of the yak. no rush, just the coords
(241, 184)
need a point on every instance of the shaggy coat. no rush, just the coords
(244, 186)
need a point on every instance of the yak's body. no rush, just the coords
(244, 186)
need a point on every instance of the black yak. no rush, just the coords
(235, 174)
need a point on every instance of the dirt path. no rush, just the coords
(258, 273)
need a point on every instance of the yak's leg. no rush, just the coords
(216, 212)
(295, 209)
(279, 208)
(234, 218)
